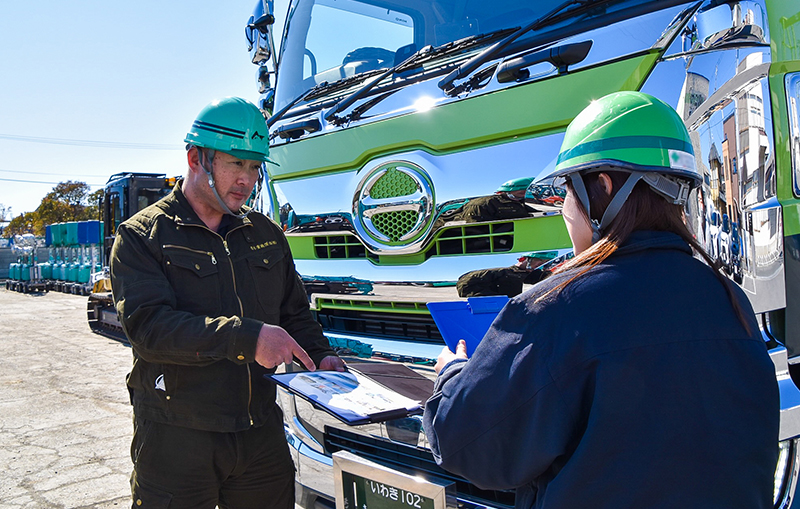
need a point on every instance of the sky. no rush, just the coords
(89, 88)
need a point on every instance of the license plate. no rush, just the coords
(364, 484)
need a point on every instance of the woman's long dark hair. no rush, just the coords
(643, 210)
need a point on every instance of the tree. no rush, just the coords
(23, 223)
(68, 201)
(71, 198)
(93, 211)
(52, 211)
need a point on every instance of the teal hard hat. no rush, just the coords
(515, 185)
(542, 255)
(232, 125)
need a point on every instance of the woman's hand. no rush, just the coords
(447, 356)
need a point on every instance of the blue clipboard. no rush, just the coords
(468, 320)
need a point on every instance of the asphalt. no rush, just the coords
(65, 419)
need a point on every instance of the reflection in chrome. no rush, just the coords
(726, 103)
(734, 213)
(474, 215)
(726, 25)
(793, 104)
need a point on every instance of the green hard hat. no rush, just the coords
(515, 184)
(630, 130)
(232, 125)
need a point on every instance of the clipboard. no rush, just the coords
(468, 320)
(350, 396)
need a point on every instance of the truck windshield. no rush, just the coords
(328, 40)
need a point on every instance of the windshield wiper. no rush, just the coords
(460, 45)
(472, 64)
(350, 99)
(318, 90)
(425, 54)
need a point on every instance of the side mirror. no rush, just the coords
(258, 31)
(724, 23)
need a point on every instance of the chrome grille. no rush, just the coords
(474, 239)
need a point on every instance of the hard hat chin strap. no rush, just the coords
(613, 208)
(206, 163)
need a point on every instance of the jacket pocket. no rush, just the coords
(268, 276)
(194, 277)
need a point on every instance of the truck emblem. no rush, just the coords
(392, 208)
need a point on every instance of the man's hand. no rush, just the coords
(275, 346)
(332, 363)
(447, 356)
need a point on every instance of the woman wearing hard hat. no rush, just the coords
(636, 376)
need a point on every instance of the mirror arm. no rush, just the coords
(560, 56)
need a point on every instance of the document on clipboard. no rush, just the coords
(350, 396)
(468, 320)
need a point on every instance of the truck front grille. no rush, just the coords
(403, 457)
(393, 325)
(474, 239)
(459, 240)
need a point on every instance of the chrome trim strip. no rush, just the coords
(791, 485)
(437, 268)
(300, 446)
(790, 395)
(792, 84)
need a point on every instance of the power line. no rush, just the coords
(91, 143)
(19, 172)
(48, 183)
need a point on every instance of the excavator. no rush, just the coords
(125, 194)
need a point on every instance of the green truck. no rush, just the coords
(398, 129)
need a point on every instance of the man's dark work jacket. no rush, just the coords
(192, 303)
(634, 386)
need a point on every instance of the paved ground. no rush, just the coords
(65, 420)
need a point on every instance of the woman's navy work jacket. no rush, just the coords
(634, 386)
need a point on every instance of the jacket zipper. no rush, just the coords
(235, 292)
(241, 313)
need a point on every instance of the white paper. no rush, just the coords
(349, 394)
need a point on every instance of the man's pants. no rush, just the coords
(180, 468)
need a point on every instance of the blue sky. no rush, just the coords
(90, 88)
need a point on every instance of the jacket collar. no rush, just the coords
(642, 240)
(184, 214)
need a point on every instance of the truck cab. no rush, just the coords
(393, 125)
(124, 195)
